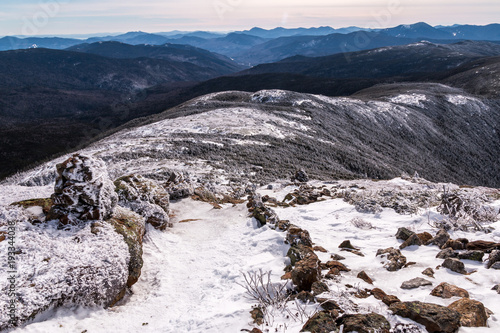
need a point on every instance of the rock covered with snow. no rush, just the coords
(83, 191)
(61, 267)
(145, 197)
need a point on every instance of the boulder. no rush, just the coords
(306, 272)
(378, 293)
(404, 233)
(305, 297)
(415, 283)
(493, 258)
(364, 323)
(425, 237)
(178, 186)
(296, 235)
(485, 246)
(319, 287)
(298, 252)
(473, 313)
(447, 253)
(455, 244)
(472, 255)
(300, 176)
(435, 318)
(440, 239)
(145, 197)
(347, 245)
(83, 191)
(338, 265)
(496, 288)
(321, 322)
(455, 265)
(395, 260)
(446, 290)
(412, 240)
(390, 299)
(337, 257)
(260, 212)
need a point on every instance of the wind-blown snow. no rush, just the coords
(413, 99)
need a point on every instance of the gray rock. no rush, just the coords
(440, 239)
(404, 233)
(493, 259)
(447, 253)
(455, 265)
(471, 255)
(435, 318)
(396, 260)
(415, 283)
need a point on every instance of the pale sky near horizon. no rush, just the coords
(45, 17)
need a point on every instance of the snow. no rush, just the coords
(413, 99)
(460, 99)
(15, 193)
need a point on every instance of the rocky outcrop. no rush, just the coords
(306, 272)
(260, 212)
(296, 235)
(145, 197)
(435, 318)
(446, 290)
(395, 260)
(472, 313)
(178, 186)
(364, 323)
(83, 191)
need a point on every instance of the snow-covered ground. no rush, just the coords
(192, 274)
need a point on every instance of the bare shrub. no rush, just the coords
(361, 224)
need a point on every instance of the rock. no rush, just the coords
(347, 245)
(329, 305)
(390, 299)
(472, 255)
(415, 283)
(255, 330)
(337, 257)
(378, 293)
(473, 313)
(257, 316)
(283, 225)
(45, 203)
(319, 287)
(306, 272)
(425, 237)
(428, 272)
(493, 258)
(145, 197)
(364, 323)
(396, 260)
(447, 253)
(132, 227)
(320, 249)
(299, 252)
(496, 265)
(440, 239)
(300, 176)
(363, 276)
(446, 290)
(338, 265)
(178, 186)
(484, 246)
(435, 318)
(496, 288)
(455, 244)
(297, 235)
(260, 212)
(404, 233)
(332, 273)
(83, 191)
(356, 252)
(406, 328)
(412, 240)
(305, 297)
(321, 322)
(455, 265)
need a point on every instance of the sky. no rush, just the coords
(61, 17)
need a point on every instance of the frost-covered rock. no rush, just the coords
(61, 267)
(178, 186)
(395, 260)
(83, 191)
(145, 197)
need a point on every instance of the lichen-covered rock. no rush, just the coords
(319, 287)
(425, 237)
(455, 244)
(260, 212)
(62, 267)
(429, 272)
(472, 255)
(446, 290)
(493, 258)
(83, 191)
(395, 260)
(364, 323)
(321, 322)
(415, 283)
(132, 227)
(306, 272)
(412, 240)
(447, 253)
(440, 239)
(404, 233)
(435, 318)
(298, 252)
(472, 313)
(455, 265)
(145, 197)
(296, 235)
